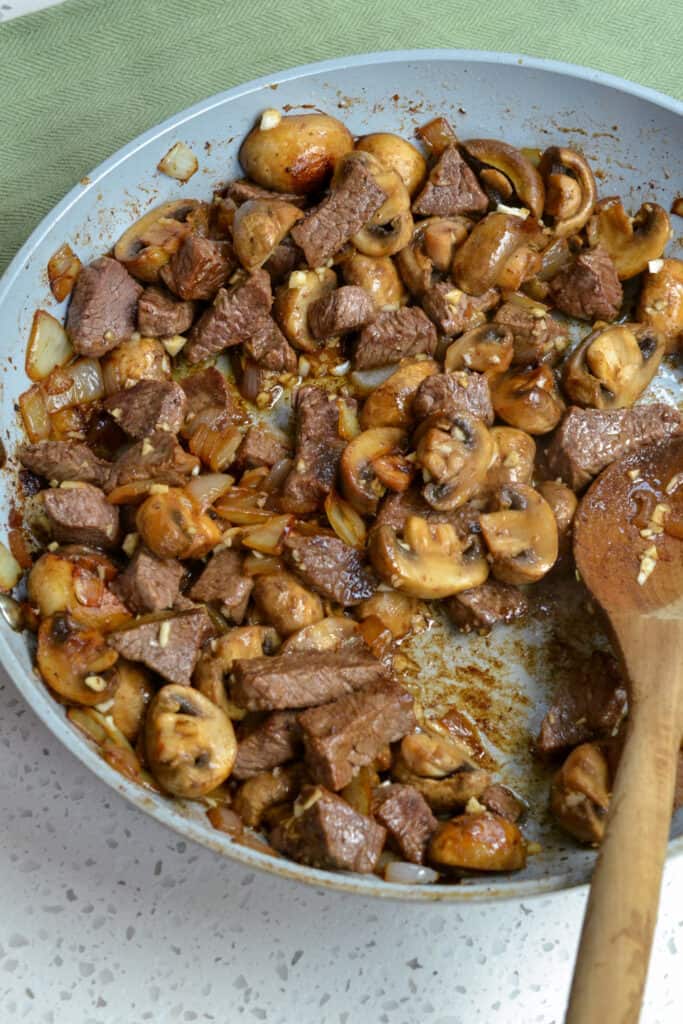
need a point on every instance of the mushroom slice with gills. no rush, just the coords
(390, 228)
(148, 244)
(486, 348)
(455, 454)
(189, 741)
(133, 692)
(390, 404)
(76, 582)
(580, 793)
(71, 659)
(396, 154)
(631, 242)
(527, 399)
(514, 457)
(570, 189)
(360, 484)
(661, 302)
(520, 534)
(431, 249)
(483, 841)
(501, 251)
(432, 756)
(520, 172)
(292, 301)
(564, 503)
(259, 225)
(294, 153)
(613, 365)
(431, 561)
(376, 275)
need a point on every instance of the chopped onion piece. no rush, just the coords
(267, 537)
(365, 381)
(10, 570)
(77, 384)
(179, 163)
(34, 413)
(63, 268)
(48, 346)
(207, 488)
(654, 266)
(345, 521)
(410, 874)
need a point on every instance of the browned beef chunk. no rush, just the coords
(454, 311)
(326, 832)
(285, 258)
(103, 307)
(536, 339)
(587, 440)
(318, 451)
(82, 515)
(592, 706)
(148, 583)
(274, 741)
(268, 347)
(161, 315)
(169, 646)
(241, 191)
(232, 318)
(453, 393)
(350, 732)
(222, 582)
(148, 406)
(199, 268)
(394, 335)
(452, 188)
(265, 791)
(408, 819)
(589, 287)
(64, 460)
(302, 680)
(333, 568)
(344, 212)
(483, 607)
(502, 801)
(158, 457)
(261, 447)
(345, 309)
(209, 398)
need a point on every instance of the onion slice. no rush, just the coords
(406, 873)
(208, 487)
(48, 346)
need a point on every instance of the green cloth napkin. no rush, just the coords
(79, 80)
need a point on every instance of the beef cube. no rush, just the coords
(262, 792)
(408, 819)
(588, 440)
(261, 447)
(394, 335)
(452, 188)
(451, 394)
(592, 706)
(169, 646)
(318, 451)
(589, 288)
(64, 460)
(210, 398)
(285, 258)
(502, 801)
(536, 338)
(161, 315)
(268, 347)
(350, 732)
(158, 458)
(222, 582)
(148, 583)
(273, 742)
(334, 569)
(482, 607)
(148, 406)
(231, 319)
(103, 307)
(82, 515)
(345, 309)
(326, 832)
(347, 209)
(301, 680)
(199, 268)
(241, 191)
(454, 311)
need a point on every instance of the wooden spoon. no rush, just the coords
(646, 622)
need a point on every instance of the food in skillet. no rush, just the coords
(219, 601)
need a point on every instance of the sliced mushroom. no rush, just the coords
(513, 461)
(661, 302)
(430, 562)
(292, 302)
(190, 743)
(259, 225)
(563, 502)
(501, 251)
(391, 227)
(134, 691)
(396, 154)
(510, 162)
(520, 534)
(390, 404)
(630, 241)
(432, 246)
(613, 365)
(294, 153)
(580, 793)
(527, 399)
(285, 603)
(570, 189)
(360, 484)
(455, 454)
(448, 794)
(377, 275)
(489, 347)
(72, 659)
(148, 244)
(482, 841)
(215, 664)
(433, 756)
(172, 525)
(396, 611)
(77, 583)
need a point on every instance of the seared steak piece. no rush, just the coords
(232, 318)
(326, 832)
(148, 583)
(302, 680)
(408, 819)
(241, 191)
(82, 515)
(502, 801)
(347, 209)
(209, 398)
(103, 307)
(64, 460)
(454, 311)
(332, 568)
(587, 440)
(350, 732)
(261, 447)
(148, 406)
(452, 189)
(268, 347)
(483, 607)
(394, 335)
(453, 393)
(161, 315)
(589, 288)
(158, 458)
(199, 268)
(222, 582)
(169, 646)
(285, 258)
(274, 741)
(345, 309)
(592, 706)
(318, 450)
(536, 339)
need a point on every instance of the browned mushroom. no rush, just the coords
(482, 841)
(521, 535)
(570, 189)
(390, 404)
(501, 251)
(661, 301)
(72, 659)
(630, 241)
(613, 365)
(527, 399)
(580, 793)
(397, 155)
(455, 454)
(360, 484)
(437, 136)
(286, 603)
(293, 300)
(148, 244)
(489, 347)
(294, 153)
(377, 275)
(259, 225)
(431, 248)
(514, 456)
(514, 166)
(563, 502)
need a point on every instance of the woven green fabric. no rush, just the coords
(79, 80)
